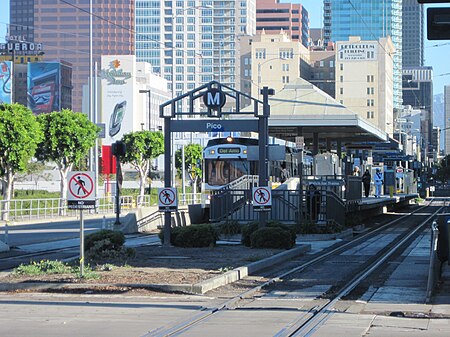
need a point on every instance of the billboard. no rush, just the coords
(44, 87)
(6, 78)
(362, 51)
(118, 82)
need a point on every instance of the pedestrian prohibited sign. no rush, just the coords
(81, 190)
(262, 199)
(167, 199)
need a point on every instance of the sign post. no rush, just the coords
(81, 195)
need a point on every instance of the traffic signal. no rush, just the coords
(438, 23)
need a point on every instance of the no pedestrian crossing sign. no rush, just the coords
(262, 198)
(81, 190)
(167, 199)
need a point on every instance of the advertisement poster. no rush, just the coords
(118, 80)
(6, 78)
(44, 79)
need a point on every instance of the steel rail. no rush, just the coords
(183, 325)
(323, 314)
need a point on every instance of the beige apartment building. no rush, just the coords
(364, 79)
(273, 61)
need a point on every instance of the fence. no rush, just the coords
(32, 209)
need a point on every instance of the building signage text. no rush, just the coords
(115, 75)
(21, 48)
(357, 52)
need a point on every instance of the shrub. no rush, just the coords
(107, 245)
(111, 240)
(272, 237)
(230, 228)
(253, 226)
(194, 236)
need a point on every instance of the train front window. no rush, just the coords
(222, 172)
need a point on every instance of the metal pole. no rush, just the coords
(183, 175)
(81, 244)
(173, 52)
(96, 139)
(263, 144)
(167, 177)
(117, 192)
(91, 95)
(149, 110)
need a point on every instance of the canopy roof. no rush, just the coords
(301, 109)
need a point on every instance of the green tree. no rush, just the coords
(68, 136)
(443, 169)
(20, 134)
(142, 147)
(193, 154)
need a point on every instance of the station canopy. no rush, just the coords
(302, 109)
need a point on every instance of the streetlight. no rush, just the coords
(149, 92)
(259, 70)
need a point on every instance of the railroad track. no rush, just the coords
(397, 235)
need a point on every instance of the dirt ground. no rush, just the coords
(163, 265)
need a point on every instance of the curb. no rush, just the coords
(198, 288)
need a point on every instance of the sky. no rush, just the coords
(437, 57)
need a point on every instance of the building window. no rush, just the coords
(342, 102)
(286, 53)
(285, 67)
(260, 53)
(341, 66)
(341, 79)
(372, 91)
(331, 64)
(368, 102)
(368, 114)
(321, 64)
(368, 91)
(341, 91)
(372, 102)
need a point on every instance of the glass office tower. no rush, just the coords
(205, 35)
(369, 19)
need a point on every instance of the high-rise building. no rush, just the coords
(418, 92)
(274, 17)
(412, 34)
(364, 79)
(63, 28)
(198, 41)
(447, 120)
(371, 20)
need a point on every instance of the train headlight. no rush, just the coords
(229, 139)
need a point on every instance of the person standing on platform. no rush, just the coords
(366, 179)
(378, 180)
(356, 171)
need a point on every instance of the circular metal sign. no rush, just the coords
(214, 99)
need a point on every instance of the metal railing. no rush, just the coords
(33, 209)
(434, 271)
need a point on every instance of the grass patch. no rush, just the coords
(52, 267)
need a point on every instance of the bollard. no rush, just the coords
(427, 192)
(104, 223)
(391, 191)
(6, 233)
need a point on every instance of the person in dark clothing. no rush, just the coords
(312, 202)
(366, 179)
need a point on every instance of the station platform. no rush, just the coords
(386, 201)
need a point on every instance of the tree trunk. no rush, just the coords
(7, 193)
(142, 175)
(63, 189)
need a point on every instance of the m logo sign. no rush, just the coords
(214, 99)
